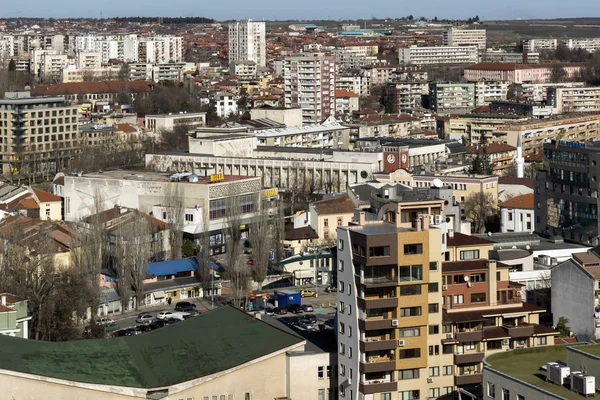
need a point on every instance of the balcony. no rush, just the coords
(524, 330)
(378, 302)
(469, 379)
(468, 358)
(377, 366)
(377, 387)
(377, 345)
(375, 324)
(379, 281)
(472, 336)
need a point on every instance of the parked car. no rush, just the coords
(123, 332)
(144, 328)
(190, 315)
(111, 327)
(156, 325)
(306, 324)
(164, 315)
(308, 293)
(269, 311)
(308, 308)
(172, 321)
(310, 317)
(331, 288)
(295, 308)
(180, 315)
(106, 321)
(185, 306)
(280, 310)
(144, 319)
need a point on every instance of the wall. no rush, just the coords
(55, 211)
(579, 360)
(303, 375)
(289, 117)
(515, 387)
(510, 220)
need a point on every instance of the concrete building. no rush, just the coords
(517, 73)
(354, 56)
(517, 214)
(537, 92)
(500, 154)
(351, 83)
(465, 37)
(225, 103)
(325, 216)
(157, 123)
(14, 316)
(40, 133)
(533, 45)
(243, 69)
(408, 95)
(290, 117)
(247, 42)
(328, 135)
(488, 91)
(451, 98)
(346, 102)
(88, 60)
(438, 55)
(570, 100)
(310, 85)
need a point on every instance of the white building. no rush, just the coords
(243, 69)
(488, 91)
(517, 215)
(88, 60)
(247, 42)
(439, 55)
(52, 65)
(351, 83)
(465, 37)
(580, 99)
(534, 45)
(225, 103)
(156, 123)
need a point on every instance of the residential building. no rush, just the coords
(14, 316)
(462, 185)
(328, 135)
(517, 73)
(533, 45)
(290, 117)
(157, 123)
(310, 85)
(225, 103)
(306, 268)
(346, 102)
(438, 55)
(488, 91)
(451, 98)
(463, 247)
(247, 42)
(517, 215)
(243, 69)
(351, 83)
(40, 133)
(501, 155)
(569, 100)
(465, 37)
(325, 216)
(589, 44)
(354, 56)
(51, 66)
(523, 373)
(408, 95)
(88, 60)
(535, 111)
(474, 127)
(82, 92)
(566, 191)
(376, 74)
(537, 92)
(383, 126)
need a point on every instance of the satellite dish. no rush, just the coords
(466, 278)
(437, 183)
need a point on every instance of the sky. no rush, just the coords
(304, 9)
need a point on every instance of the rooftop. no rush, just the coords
(336, 205)
(301, 130)
(524, 201)
(223, 338)
(152, 176)
(460, 239)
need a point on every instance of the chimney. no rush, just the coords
(492, 283)
(418, 224)
(361, 218)
(3, 300)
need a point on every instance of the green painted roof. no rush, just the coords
(212, 342)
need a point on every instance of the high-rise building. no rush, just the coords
(310, 85)
(247, 42)
(465, 37)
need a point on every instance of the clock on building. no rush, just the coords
(391, 158)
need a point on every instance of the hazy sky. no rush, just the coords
(304, 9)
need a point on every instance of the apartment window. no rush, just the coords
(47, 213)
(434, 371)
(408, 395)
(447, 390)
(408, 374)
(189, 217)
(494, 344)
(341, 265)
(382, 251)
(434, 393)
(342, 348)
(505, 394)
(321, 394)
(410, 353)
(350, 353)
(434, 350)
(510, 216)
(342, 391)
(411, 273)
(520, 397)
(247, 396)
(469, 254)
(433, 266)
(433, 287)
(477, 297)
(447, 349)
(329, 371)
(339, 222)
(447, 369)
(341, 287)
(458, 299)
(410, 311)
(385, 396)
(434, 329)
(342, 307)
(542, 341)
(340, 244)
(470, 345)
(413, 249)
(434, 307)
(410, 332)
(478, 277)
(326, 223)
(410, 290)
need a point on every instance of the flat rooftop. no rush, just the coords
(152, 176)
(379, 228)
(525, 365)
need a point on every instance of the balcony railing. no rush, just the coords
(383, 366)
(467, 379)
(375, 324)
(469, 336)
(468, 358)
(379, 281)
(371, 387)
(524, 330)
(378, 302)
(378, 345)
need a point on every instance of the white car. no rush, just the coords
(106, 321)
(165, 315)
(180, 315)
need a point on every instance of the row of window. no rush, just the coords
(491, 392)
(247, 396)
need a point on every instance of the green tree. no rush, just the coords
(562, 327)
(482, 164)
(187, 249)
(12, 65)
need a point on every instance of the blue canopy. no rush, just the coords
(172, 267)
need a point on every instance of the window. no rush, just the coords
(410, 353)
(434, 371)
(434, 350)
(341, 265)
(247, 396)
(494, 344)
(434, 307)
(434, 329)
(434, 393)
(329, 371)
(342, 391)
(340, 244)
(350, 353)
(326, 223)
(410, 311)
(477, 297)
(413, 249)
(447, 349)
(341, 287)
(410, 290)
(510, 216)
(339, 222)
(447, 369)
(520, 397)
(469, 254)
(408, 395)
(505, 394)
(470, 345)
(459, 299)
(408, 374)
(321, 394)
(320, 372)
(410, 332)
(349, 309)
(358, 250)
(433, 287)
(478, 277)
(458, 279)
(189, 217)
(542, 340)
(383, 251)
(447, 390)
(411, 273)
(342, 307)
(342, 348)
(433, 266)
(385, 396)
(48, 212)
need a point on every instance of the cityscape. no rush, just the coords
(333, 209)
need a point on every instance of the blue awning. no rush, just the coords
(172, 267)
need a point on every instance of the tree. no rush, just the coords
(558, 74)
(12, 66)
(479, 207)
(562, 327)
(203, 270)
(187, 249)
(260, 239)
(528, 171)
(235, 268)
(482, 164)
(174, 202)
(212, 118)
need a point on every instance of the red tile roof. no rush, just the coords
(510, 180)
(469, 265)
(492, 148)
(460, 239)
(125, 128)
(46, 197)
(524, 201)
(93, 87)
(345, 93)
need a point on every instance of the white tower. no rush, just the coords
(519, 160)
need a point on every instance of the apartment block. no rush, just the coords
(247, 42)
(537, 92)
(159, 122)
(354, 57)
(449, 98)
(531, 45)
(517, 73)
(52, 65)
(465, 37)
(352, 83)
(310, 85)
(88, 60)
(488, 91)
(581, 99)
(389, 298)
(408, 95)
(322, 136)
(439, 55)
(37, 133)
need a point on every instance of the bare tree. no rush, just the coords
(203, 271)
(236, 267)
(122, 269)
(479, 207)
(174, 202)
(260, 239)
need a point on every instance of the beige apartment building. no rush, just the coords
(439, 55)
(580, 99)
(37, 134)
(465, 37)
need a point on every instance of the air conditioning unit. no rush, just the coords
(400, 343)
(394, 322)
(429, 380)
(444, 287)
(449, 335)
(505, 342)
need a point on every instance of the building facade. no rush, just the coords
(447, 98)
(569, 100)
(465, 37)
(247, 42)
(439, 55)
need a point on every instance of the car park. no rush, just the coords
(164, 315)
(307, 293)
(308, 308)
(144, 319)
